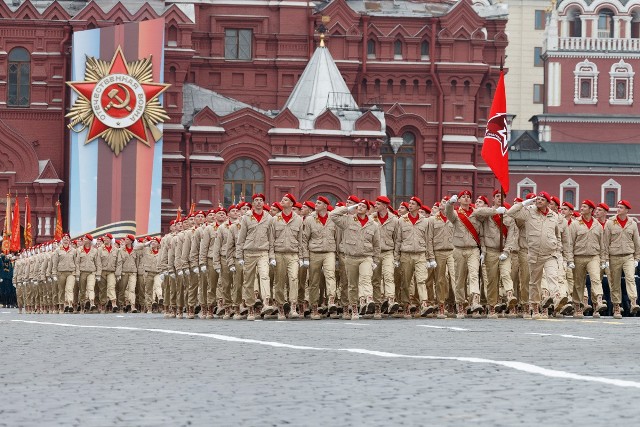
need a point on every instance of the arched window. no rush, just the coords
(19, 73)
(569, 191)
(575, 23)
(611, 192)
(371, 49)
(242, 178)
(605, 24)
(398, 155)
(424, 50)
(172, 36)
(586, 83)
(525, 187)
(621, 87)
(397, 49)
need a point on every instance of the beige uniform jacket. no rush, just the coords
(189, 260)
(462, 237)
(128, 260)
(234, 230)
(109, 259)
(254, 235)
(64, 260)
(359, 240)
(442, 234)
(196, 247)
(621, 241)
(46, 266)
(387, 230)
(18, 270)
(585, 241)
(171, 252)
(178, 259)
(163, 262)
(541, 230)
(490, 233)
(413, 238)
(317, 237)
(149, 261)
(89, 262)
(286, 236)
(208, 235)
(220, 244)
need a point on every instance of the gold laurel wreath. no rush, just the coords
(82, 114)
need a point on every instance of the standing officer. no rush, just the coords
(109, 259)
(384, 288)
(129, 269)
(89, 269)
(621, 244)
(63, 270)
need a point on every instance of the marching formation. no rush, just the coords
(458, 258)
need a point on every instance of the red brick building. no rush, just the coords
(396, 102)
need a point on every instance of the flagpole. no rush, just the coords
(501, 220)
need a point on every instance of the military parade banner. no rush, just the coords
(116, 121)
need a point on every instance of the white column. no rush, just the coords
(564, 26)
(39, 226)
(616, 27)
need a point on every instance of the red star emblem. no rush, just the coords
(118, 100)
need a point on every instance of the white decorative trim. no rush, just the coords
(327, 155)
(173, 157)
(611, 184)
(570, 184)
(621, 71)
(585, 70)
(459, 138)
(527, 183)
(206, 158)
(213, 129)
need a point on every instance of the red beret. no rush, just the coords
(101, 238)
(405, 204)
(109, 235)
(200, 213)
(383, 199)
(141, 240)
(354, 198)
(496, 192)
(172, 222)
(212, 211)
(267, 207)
(604, 206)
(277, 205)
(517, 200)
(576, 214)
(75, 242)
(569, 205)
(415, 199)
(464, 193)
(232, 207)
(589, 203)
(66, 235)
(446, 198)
(339, 204)
(426, 208)
(329, 208)
(436, 204)
(546, 195)
(290, 197)
(219, 209)
(258, 196)
(625, 203)
(507, 205)
(324, 200)
(555, 200)
(531, 196)
(311, 205)
(297, 205)
(484, 199)
(88, 236)
(148, 239)
(157, 239)
(131, 237)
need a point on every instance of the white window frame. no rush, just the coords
(586, 70)
(570, 184)
(621, 71)
(527, 183)
(611, 185)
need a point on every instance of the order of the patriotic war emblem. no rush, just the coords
(497, 130)
(118, 101)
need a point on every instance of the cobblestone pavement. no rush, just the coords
(143, 370)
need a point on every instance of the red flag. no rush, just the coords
(179, 214)
(193, 208)
(15, 228)
(28, 236)
(495, 148)
(6, 233)
(58, 233)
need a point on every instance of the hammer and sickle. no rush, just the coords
(114, 94)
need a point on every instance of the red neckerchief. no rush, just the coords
(258, 217)
(65, 248)
(287, 218)
(323, 219)
(363, 221)
(545, 213)
(129, 250)
(603, 223)
(443, 217)
(500, 224)
(86, 251)
(621, 222)
(108, 248)
(383, 219)
(155, 251)
(468, 212)
(588, 223)
(412, 219)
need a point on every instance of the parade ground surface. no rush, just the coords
(143, 370)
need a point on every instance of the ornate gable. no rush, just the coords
(206, 117)
(247, 122)
(526, 142)
(91, 12)
(368, 121)
(55, 12)
(327, 121)
(27, 11)
(174, 12)
(119, 11)
(146, 12)
(48, 171)
(462, 20)
(5, 12)
(287, 120)
(396, 110)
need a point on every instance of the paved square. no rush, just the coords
(143, 370)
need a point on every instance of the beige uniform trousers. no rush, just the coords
(128, 281)
(63, 277)
(225, 283)
(467, 265)
(152, 289)
(359, 271)
(444, 261)
(69, 287)
(193, 284)
(286, 271)
(109, 283)
(547, 267)
(19, 296)
(87, 286)
(180, 285)
(497, 271)
(586, 265)
(236, 286)
(321, 264)
(383, 281)
(342, 281)
(617, 265)
(561, 282)
(520, 275)
(413, 264)
(256, 264)
(303, 288)
(210, 290)
(173, 285)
